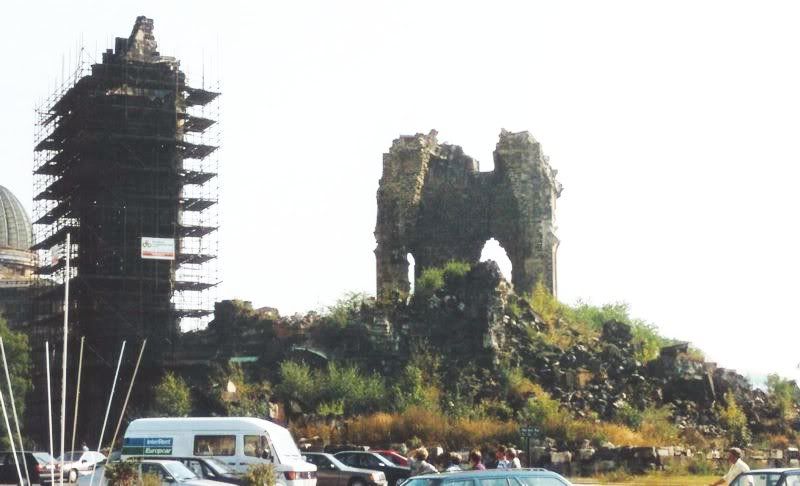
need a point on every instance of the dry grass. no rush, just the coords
(649, 480)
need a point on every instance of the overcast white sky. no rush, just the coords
(673, 125)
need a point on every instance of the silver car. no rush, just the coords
(172, 473)
(77, 463)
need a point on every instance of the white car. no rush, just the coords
(78, 463)
(172, 473)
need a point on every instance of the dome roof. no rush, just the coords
(15, 226)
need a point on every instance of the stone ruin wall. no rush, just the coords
(434, 203)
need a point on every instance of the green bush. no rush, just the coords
(124, 473)
(335, 390)
(431, 280)
(785, 394)
(260, 475)
(734, 420)
(629, 415)
(19, 362)
(346, 310)
(455, 270)
(172, 397)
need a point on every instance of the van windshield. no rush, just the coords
(284, 445)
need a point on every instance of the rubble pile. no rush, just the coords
(479, 319)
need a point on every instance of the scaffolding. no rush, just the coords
(126, 149)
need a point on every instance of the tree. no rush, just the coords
(19, 362)
(785, 394)
(18, 354)
(734, 420)
(172, 398)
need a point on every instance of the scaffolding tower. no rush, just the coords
(125, 155)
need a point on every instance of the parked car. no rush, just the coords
(203, 467)
(171, 473)
(333, 472)
(79, 462)
(769, 477)
(40, 467)
(370, 460)
(491, 477)
(394, 456)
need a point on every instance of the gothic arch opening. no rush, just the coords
(493, 250)
(411, 275)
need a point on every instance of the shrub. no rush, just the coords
(296, 383)
(785, 394)
(735, 421)
(629, 415)
(414, 390)
(260, 475)
(124, 473)
(336, 390)
(429, 281)
(455, 270)
(657, 427)
(151, 479)
(172, 397)
(346, 309)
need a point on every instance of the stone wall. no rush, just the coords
(434, 203)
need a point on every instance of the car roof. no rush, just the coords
(773, 470)
(156, 424)
(534, 471)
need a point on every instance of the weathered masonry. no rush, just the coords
(126, 164)
(435, 204)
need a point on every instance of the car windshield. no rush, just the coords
(179, 471)
(218, 466)
(72, 456)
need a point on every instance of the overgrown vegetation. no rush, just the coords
(172, 397)
(260, 475)
(122, 473)
(438, 384)
(19, 363)
(734, 420)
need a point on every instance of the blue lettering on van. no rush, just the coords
(147, 446)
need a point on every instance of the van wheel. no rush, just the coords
(73, 476)
(357, 482)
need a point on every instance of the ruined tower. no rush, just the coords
(435, 204)
(125, 164)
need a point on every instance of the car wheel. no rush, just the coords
(357, 482)
(73, 476)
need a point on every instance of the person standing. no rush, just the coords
(500, 458)
(421, 464)
(738, 467)
(453, 462)
(512, 459)
(475, 460)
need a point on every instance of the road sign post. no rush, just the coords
(526, 432)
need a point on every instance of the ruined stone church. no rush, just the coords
(436, 205)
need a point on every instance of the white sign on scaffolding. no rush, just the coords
(158, 248)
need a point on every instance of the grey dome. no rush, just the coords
(15, 226)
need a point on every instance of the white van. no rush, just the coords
(237, 441)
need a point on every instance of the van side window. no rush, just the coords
(256, 446)
(214, 445)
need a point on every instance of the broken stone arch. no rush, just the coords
(435, 204)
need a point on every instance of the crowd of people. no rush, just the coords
(504, 458)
